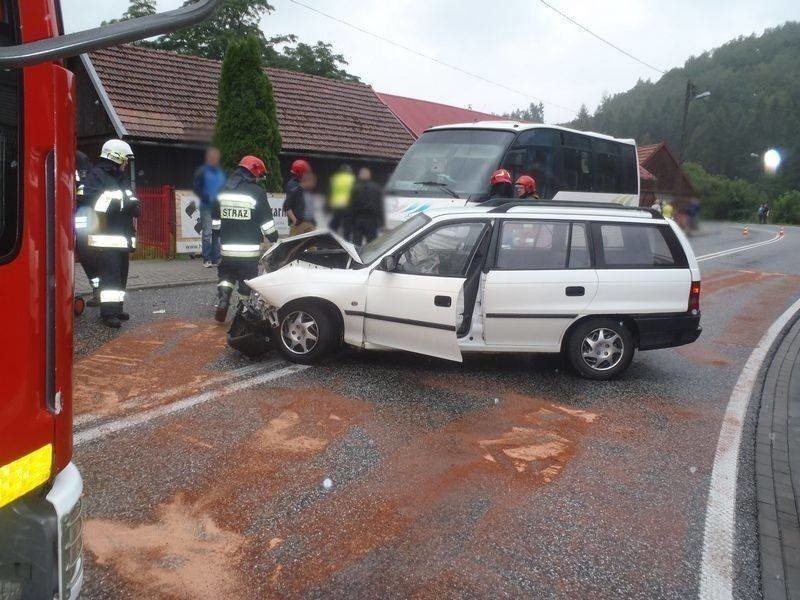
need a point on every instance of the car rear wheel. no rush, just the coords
(600, 348)
(306, 333)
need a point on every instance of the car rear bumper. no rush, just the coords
(41, 541)
(667, 331)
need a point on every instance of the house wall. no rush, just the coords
(175, 165)
(671, 184)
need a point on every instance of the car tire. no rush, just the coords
(298, 324)
(600, 348)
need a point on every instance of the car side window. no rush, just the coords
(444, 252)
(533, 245)
(638, 246)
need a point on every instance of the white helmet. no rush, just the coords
(116, 151)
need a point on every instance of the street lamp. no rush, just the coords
(772, 161)
(691, 94)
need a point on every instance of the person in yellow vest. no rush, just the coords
(342, 184)
(667, 210)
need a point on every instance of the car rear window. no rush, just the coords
(637, 246)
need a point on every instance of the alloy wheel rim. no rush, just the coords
(299, 332)
(602, 349)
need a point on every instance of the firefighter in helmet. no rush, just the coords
(525, 188)
(501, 186)
(244, 219)
(110, 227)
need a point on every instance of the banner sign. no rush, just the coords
(187, 220)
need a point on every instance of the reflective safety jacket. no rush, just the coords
(107, 209)
(341, 188)
(243, 217)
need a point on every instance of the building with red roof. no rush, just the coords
(164, 104)
(419, 115)
(662, 177)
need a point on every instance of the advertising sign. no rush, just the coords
(187, 220)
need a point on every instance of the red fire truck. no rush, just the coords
(40, 487)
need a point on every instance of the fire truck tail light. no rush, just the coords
(694, 298)
(19, 477)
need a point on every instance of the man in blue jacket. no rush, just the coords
(208, 180)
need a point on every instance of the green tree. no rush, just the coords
(754, 105)
(247, 122)
(786, 209)
(136, 8)
(318, 59)
(533, 114)
(237, 19)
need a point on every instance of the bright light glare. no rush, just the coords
(772, 160)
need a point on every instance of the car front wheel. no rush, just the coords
(600, 348)
(306, 333)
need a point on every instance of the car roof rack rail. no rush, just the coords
(501, 205)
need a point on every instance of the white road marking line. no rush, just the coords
(736, 249)
(105, 429)
(716, 567)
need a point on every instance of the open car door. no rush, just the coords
(415, 303)
(417, 313)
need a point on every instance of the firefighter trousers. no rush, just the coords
(232, 272)
(90, 259)
(113, 267)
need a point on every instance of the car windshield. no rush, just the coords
(450, 162)
(381, 244)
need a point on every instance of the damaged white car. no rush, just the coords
(594, 282)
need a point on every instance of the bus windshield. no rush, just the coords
(450, 162)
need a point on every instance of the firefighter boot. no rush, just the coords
(94, 301)
(222, 304)
(112, 321)
(123, 316)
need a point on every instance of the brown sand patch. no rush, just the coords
(747, 327)
(703, 354)
(149, 366)
(277, 435)
(184, 554)
(428, 481)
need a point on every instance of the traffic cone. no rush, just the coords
(746, 230)
(780, 233)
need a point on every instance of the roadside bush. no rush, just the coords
(725, 199)
(786, 209)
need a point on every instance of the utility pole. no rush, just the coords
(690, 93)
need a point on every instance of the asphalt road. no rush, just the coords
(391, 475)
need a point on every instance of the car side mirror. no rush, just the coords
(388, 263)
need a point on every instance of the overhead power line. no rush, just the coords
(433, 58)
(602, 39)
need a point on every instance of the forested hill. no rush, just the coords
(754, 105)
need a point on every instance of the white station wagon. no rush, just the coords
(593, 282)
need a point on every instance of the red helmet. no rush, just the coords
(300, 168)
(527, 182)
(253, 164)
(501, 176)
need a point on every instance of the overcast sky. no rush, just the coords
(520, 43)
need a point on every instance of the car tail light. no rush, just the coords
(694, 298)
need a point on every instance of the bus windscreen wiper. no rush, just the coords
(441, 185)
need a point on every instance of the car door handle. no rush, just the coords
(575, 290)
(442, 301)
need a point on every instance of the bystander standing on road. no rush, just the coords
(366, 208)
(342, 184)
(667, 210)
(298, 206)
(208, 180)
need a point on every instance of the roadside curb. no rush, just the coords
(153, 286)
(777, 456)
